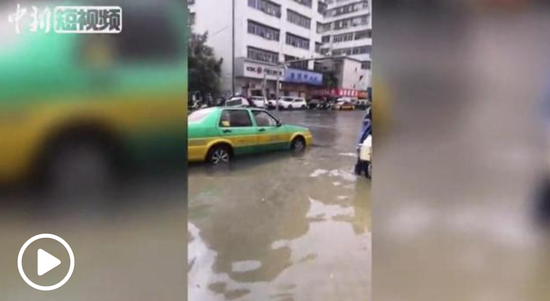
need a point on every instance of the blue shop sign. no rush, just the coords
(303, 77)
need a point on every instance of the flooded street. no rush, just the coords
(284, 227)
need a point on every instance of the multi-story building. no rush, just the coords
(270, 32)
(267, 32)
(347, 31)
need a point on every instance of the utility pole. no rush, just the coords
(233, 47)
(277, 84)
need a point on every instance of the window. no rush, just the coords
(266, 6)
(351, 22)
(298, 19)
(321, 28)
(366, 65)
(363, 34)
(340, 24)
(304, 2)
(354, 50)
(343, 37)
(191, 18)
(346, 9)
(325, 39)
(318, 66)
(321, 7)
(297, 41)
(199, 115)
(235, 118)
(318, 47)
(264, 119)
(263, 31)
(342, 51)
(262, 55)
(303, 65)
(361, 50)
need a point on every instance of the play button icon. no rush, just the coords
(46, 262)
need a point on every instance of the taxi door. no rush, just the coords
(236, 125)
(271, 133)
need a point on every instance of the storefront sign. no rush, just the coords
(340, 93)
(303, 77)
(257, 70)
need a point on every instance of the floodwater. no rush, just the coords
(281, 226)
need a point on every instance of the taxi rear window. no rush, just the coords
(199, 115)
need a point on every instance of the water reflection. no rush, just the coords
(279, 227)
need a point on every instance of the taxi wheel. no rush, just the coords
(298, 145)
(219, 154)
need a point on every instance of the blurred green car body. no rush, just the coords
(72, 105)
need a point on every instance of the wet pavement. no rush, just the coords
(284, 227)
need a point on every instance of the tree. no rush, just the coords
(204, 68)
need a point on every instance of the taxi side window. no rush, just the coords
(235, 118)
(264, 119)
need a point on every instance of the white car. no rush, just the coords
(259, 101)
(237, 102)
(272, 104)
(290, 103)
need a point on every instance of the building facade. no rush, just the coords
(269, 32)
(346, 31)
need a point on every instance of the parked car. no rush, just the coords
(292, 103)
(271, 104)
(259, 101)
(238, 102)
(343, 105)
(218, 134)
(313, 104)
(325, 105)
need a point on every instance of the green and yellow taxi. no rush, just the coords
(218, 134)
(74, 107)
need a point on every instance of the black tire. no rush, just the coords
(298, 144)
(542, 203)
(303, 107)
(358, 168)
(219, 154)
(289, 108)
(79, 166)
